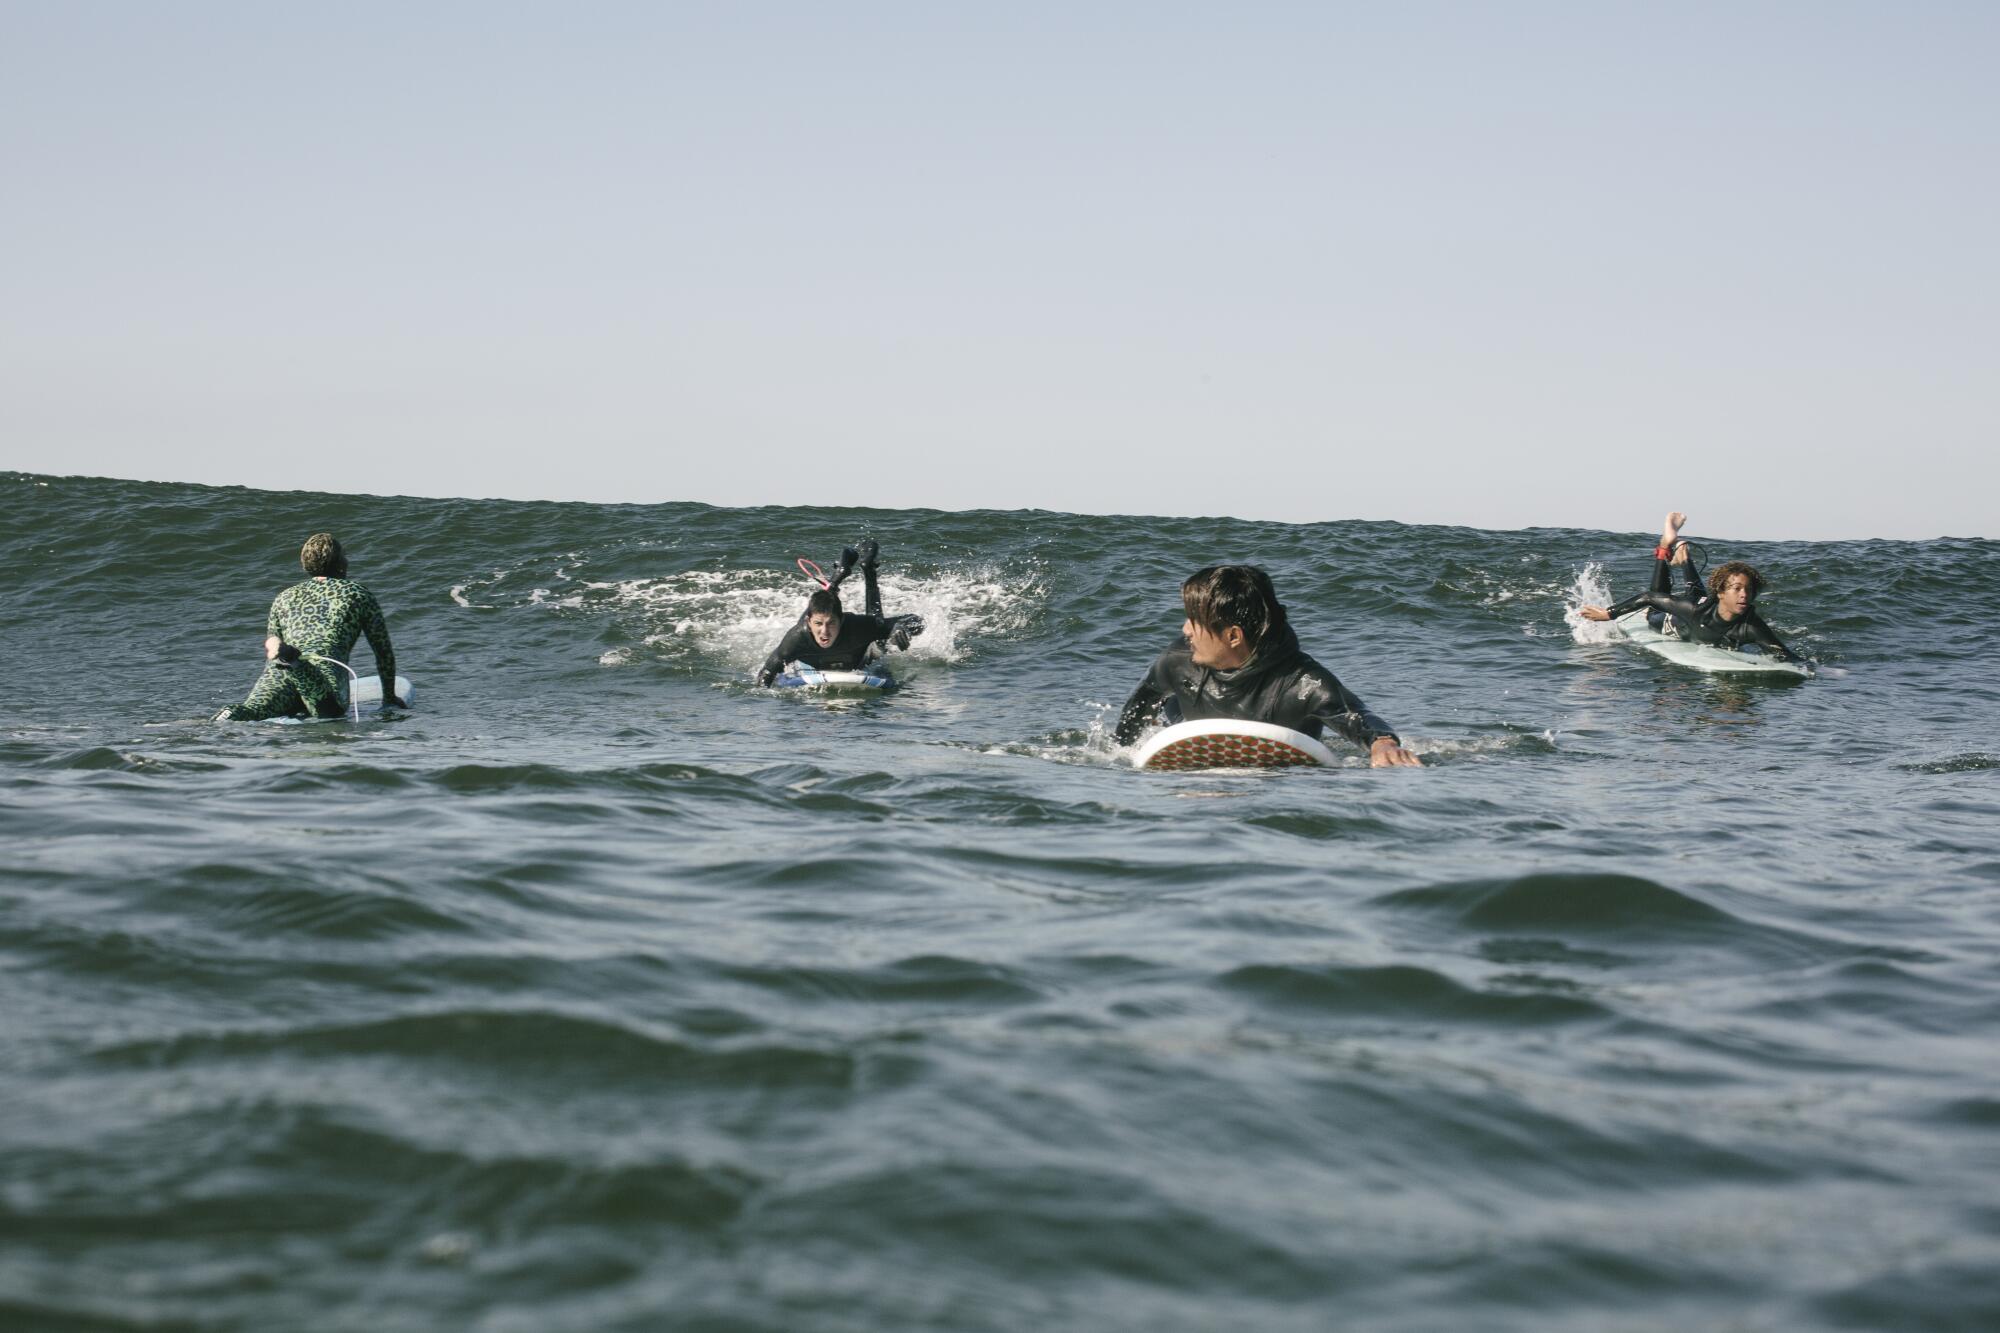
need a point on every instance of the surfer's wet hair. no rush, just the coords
(825, 602)
(1725, 572)
(323, 556)
(1240, 595)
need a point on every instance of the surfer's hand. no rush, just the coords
(1674, 523)
(907, 628)
(1593, 613)
(1385, 753)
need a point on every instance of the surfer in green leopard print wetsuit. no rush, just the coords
(319, 618)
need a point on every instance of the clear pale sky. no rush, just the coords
(1498, 264)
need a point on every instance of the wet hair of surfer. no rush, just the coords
(823, 617)
(1734, 586)
(1231, 610)
(322, 557)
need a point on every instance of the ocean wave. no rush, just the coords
(1404, 992)
(604, 989)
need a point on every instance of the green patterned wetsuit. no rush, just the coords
(320, 618)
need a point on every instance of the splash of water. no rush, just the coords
(731, 618)
(1591, 588)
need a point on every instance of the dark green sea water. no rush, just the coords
(606, 991)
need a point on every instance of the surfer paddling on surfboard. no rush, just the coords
(1719, 613)
(1239, 659)
(308, 636)
(830, 639)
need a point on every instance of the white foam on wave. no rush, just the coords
(462, 593)
(1590, 589)
(1504, 591)
(738, 615)
(566, 602)
(1479, 747)
(1093, 745)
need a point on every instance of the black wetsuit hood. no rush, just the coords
(1279, 652)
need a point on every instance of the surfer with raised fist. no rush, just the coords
(308, 635)
(1239, 659)
(1720, 612)
(830, 639)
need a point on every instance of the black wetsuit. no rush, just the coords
(1280, 684)
(1698, 616)
(852, 648)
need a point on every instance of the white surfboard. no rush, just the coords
(799, 676)
(367, 691)
(1703, 656)
(1228, 743)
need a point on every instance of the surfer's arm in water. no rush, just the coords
(795, 640)
(1142, 710)
(375, 628)
(1335, 706)
(1756, 631)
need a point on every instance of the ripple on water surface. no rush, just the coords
(606, 990)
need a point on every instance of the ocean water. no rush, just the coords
(604, 990)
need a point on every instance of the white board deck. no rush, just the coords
(367, 691)
(1228, 743)
(1702, 656)
(799, 676)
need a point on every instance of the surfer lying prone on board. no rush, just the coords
(833, 640)
(319, 618)
(1238, 658)
(1720, 614)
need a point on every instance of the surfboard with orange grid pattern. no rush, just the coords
(1226, 743)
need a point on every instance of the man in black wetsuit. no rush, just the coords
(1719, 613)
(832, 640)
(1238, 658)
